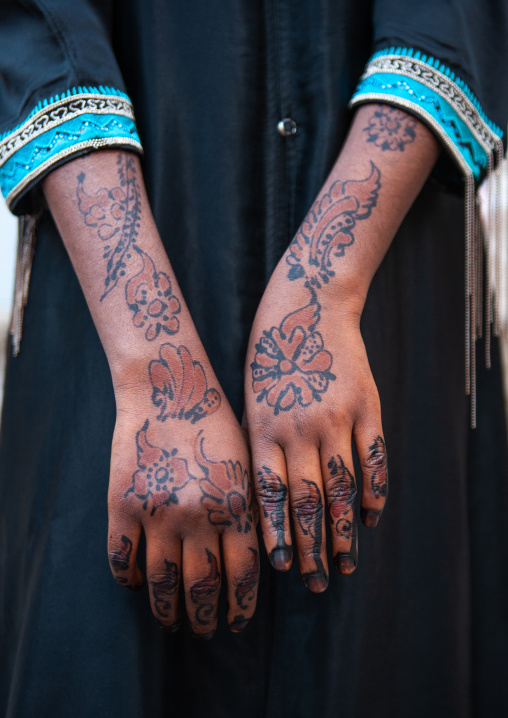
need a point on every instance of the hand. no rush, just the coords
(188, 488)
(309, 389)
(179, 464)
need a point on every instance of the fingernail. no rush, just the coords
(204, 636)
(316, 582)
(280, 558)
(369, 517)
(172, 628)
(240, 625)
(344, 563)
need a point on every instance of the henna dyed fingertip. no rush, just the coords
(316, 582)
(238, 624)
(370, 518)
(280, 558)
(345, 563)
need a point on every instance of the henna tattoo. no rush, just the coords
(203, 593)
(290, 365)
(391, 129)
(161, 474)
(226, 489)
(116, 215)
(328, 228)
(120, 560)
(273, 493)
(149, 296)
(310, 517)
(165, 588)
(343, 492)
(244, 592)
(377, 458)
(180, 388)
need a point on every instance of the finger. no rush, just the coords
(202, 580)
(270, 482)
(123, 541)
(306, 500)
(241, 563)
(163, 571)
(371, 450)
(340, 489)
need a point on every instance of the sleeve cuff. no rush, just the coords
(72, 123)
(427, 88)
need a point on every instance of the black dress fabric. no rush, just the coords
(420, 628)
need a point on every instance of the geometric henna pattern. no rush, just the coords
(180, 388)
(273, 494)
(164, 589)
(244, 592)
(379, 477)
(120, 560)
(310, 517)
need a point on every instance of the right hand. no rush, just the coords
(187, 485)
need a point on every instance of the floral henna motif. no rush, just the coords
(290, 365)
(165, 588)
(115, 213)
(377, 459)
(149, 296)
(203, 593)
(391, 129)
(341, 506)
(226, 489)
(180, 388)
(120, 559)
(328, 228)
(161, 475)
(244, 592)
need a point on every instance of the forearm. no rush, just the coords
(372, 185)
(102, 212)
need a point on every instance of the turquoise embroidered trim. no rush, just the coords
(425, 86)
(79, 119)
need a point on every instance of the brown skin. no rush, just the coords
(298, 444)
(304, 446)
(178, 535)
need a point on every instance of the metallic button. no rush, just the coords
(287, 127)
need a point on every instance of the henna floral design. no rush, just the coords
(341, 506)
(161, 475)
(244, 592)
(379, 477)
(120, 559)
(204, 592)
(226, 489)
(180, 388)
(328, 228)
(391, 129)
(116, 214)
(290, 365)
(149, 296)
(165, 588)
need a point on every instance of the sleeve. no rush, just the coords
(444, 61)
(61, 91)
